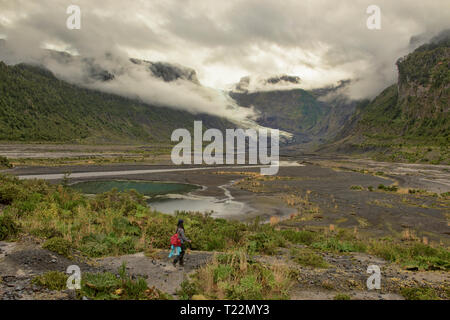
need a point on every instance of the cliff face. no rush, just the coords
(424, 80)
(408, 116)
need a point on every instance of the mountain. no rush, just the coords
(408, 121)
(311, 115)
(36, 106)
(168, 72)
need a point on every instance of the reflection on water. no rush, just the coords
(218, 208)
(147, 188)
(168, 197)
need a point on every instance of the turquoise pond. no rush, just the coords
(148, 188)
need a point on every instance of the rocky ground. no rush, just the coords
(324, 187)
(347, 274)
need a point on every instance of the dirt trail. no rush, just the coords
(158, 271)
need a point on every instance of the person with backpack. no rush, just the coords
(178, 241)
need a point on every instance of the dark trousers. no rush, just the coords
(181, 256)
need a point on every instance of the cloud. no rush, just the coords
(321, 41)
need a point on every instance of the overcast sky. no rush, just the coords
(321, 41)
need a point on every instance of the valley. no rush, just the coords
(335, 201)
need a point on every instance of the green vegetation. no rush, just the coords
(387, 188)
(52, 280)
(334, 244)
(421, 293)
(308, 258)
(36, 106)
(115, 223)
(412, 255)
(408, 121)
(8, 227)
(233, 276)
(103, 286)
(58, 245)
(342, 296)
(357, 188)
(108, 286)
(4, 163)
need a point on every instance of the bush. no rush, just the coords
(59, 245)
(266, 241)
(419, 293)
(336, 245)
(249, 288)
(52, 280)
(416, 255)
(8, 228)
(232, 276)
(187, 290)
(4, 163)
(388, 188)
(97, 245)
(308, 258)
(341, 296)
(108, 286)
(300, 237)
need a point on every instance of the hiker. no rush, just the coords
(181, 248)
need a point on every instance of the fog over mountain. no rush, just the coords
(317, 42)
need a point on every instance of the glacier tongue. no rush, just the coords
(248, 122)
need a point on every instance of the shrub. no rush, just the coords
(52, 280)
(187, 290)
(308, 258)
(46, 232)
(232, 276)
(416, 255)
(388, 188)
(4, 163)
(265, 242)
(421, 293)
(341, 296)
(336, 245)
(248, 288)
(59, 245)
(108, 286)
(8, 228)
(97, 245)
(300, 237)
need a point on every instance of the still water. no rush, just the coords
(147, 188)
(167, 197)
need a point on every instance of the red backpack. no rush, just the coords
(175, 241)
